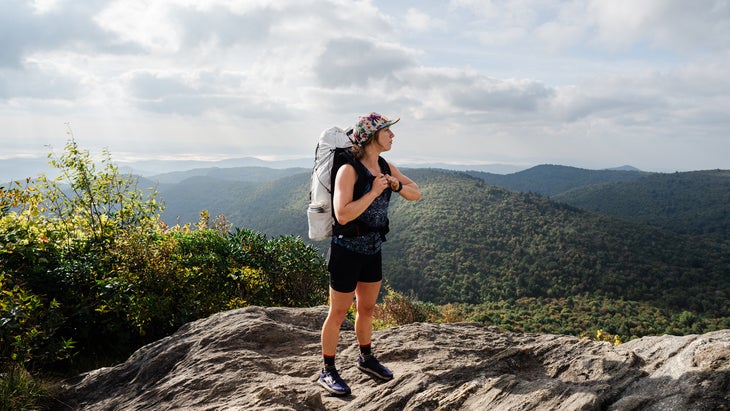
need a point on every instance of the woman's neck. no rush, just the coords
(370, 158)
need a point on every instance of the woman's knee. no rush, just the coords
(367, 295)
(337, 315)
(366, 309)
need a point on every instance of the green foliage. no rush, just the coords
(89, 268)
(282, 271)
(28, 326)
(600, 319)
(584, 315)
(270, 207)
(90, 204)
(549, 180)
(19, 390)
(399, 309)
(476, 243)
(58, 247)
(695, 202)
(689, 203)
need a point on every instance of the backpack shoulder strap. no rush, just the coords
(384, 166)
(340, 157)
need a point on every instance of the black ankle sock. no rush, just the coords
(329, 361)
(366, 350)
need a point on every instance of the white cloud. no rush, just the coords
(672, 24)
(522, 80)
(419, 21)
(612, 25)
(357, 62)
(144, 23)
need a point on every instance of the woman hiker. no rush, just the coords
(362, 190)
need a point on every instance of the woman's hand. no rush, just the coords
(393, 182)
(381, 182)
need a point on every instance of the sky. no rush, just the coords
(585, 83)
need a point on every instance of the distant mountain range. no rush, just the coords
(549, 179)
(470, 239)
(19, 168)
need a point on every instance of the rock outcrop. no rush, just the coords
(269, 358)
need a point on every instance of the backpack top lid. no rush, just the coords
(329, 141)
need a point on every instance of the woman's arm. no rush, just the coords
(409, 191)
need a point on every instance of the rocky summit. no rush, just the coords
(269, 359)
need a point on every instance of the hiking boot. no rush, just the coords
(332, 382)
(372, 366)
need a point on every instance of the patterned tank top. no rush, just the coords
(376, 215)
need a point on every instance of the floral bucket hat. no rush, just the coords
(368, 125)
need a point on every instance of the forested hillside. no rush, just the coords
(694, 202)
(468, 241)
(474, 242)
(549, 180)
(252, 174)
(274, 207)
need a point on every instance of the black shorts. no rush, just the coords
(347, 268)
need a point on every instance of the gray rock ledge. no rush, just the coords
(268, 359)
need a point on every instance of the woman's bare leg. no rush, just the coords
(339, 304)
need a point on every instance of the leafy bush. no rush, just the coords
(19, 390)
(584, 315)
(28, 326)
(399, 309)
(86, 255)
(282, 271)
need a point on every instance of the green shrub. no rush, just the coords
(56, 240)
(19, 390)
(282, 271)
(399, 309)
(86, 255)
(296, 273)
(28, 327)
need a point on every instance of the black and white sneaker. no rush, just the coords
(372, 366)
(331, 381)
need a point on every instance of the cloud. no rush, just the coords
(38, 82)
(461, 93)
(672, 24)
(420, 21)
(512, 73)
(223, 26)
(200, 92)
(615, 26)
(355, 62)
(68, 24)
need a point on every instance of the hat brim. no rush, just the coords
(388, 124)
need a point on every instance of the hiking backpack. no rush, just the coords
(330, 154)
(320, 214)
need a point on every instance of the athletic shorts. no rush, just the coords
(347, 268)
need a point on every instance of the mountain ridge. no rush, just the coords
(19, 168)
(469, 241)
(696, 202)
(496, 244)
(550, 179)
